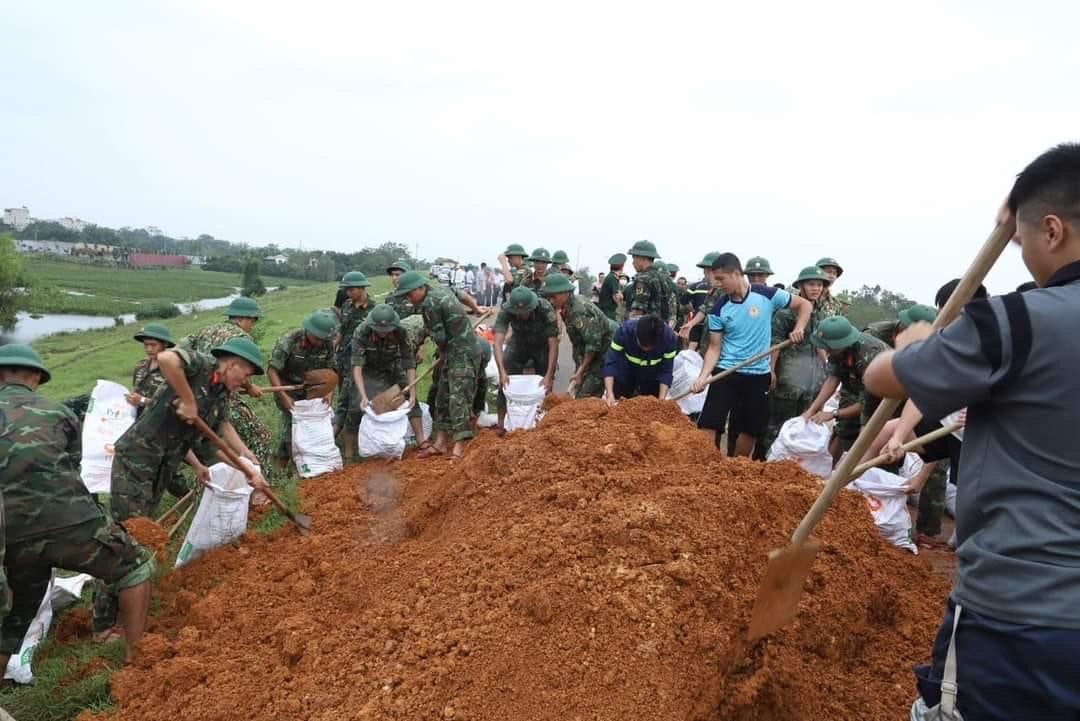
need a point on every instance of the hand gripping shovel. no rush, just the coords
(394, 396)
(317, 384)
(910, 445)
(737, 367)
(303, 523)
(778, 597)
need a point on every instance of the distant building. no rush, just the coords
(56, 247)
(156, 260)
(196, 259)
(153, 230)
(279, 259)
(17, 218)
(76, 224)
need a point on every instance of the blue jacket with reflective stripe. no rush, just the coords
(630, 365)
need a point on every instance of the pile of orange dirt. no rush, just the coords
(601, 567)
(149, 534)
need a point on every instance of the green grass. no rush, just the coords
(115, 291)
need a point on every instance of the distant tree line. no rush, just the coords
(870, 304)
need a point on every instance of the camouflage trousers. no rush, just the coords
(785, 402)
(455, 393)
(517, 357)
(255, 435)
(932, 501)
(592, 380)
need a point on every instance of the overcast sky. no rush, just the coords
(883, 137)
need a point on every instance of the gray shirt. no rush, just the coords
(1012, 361)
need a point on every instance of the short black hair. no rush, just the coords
(1025, 287)
(1050, 183)
(727, 262)
(649, 330)
(945, 292)
(781, 286)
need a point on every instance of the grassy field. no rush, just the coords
(115, 291)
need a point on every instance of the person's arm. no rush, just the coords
(553, 359)
(712, 357)
(410, 378)
(609, 390)
(500, 339)
(667, 362)
(172, 365)
(684, 332)
(468, 301)
(274, 377)
(803, 308)
(823, 396)
(202, 473)
(232, 438)
(504, 264)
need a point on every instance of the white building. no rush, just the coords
(279, 259)
(76, 224)
(18, 218)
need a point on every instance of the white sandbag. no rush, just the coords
(805, 442)
(912, 466)
(887, 500)
(524, 394)
(425, 423)
(107, 417)
(492, 370)
(685, 370)
(313, 447)
(19, 665)
(222, 514)
(954, 417)
(67, 590)
(383, 435)
(950, 498)
(487, 420)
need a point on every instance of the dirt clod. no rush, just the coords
(149, 534)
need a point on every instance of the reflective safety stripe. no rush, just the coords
(616, 346)
(644, 361)
(672, 354)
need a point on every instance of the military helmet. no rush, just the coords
(672, 268)
(706, 262)
(355, 279)
(399, 264)
(917, 314)
(556, 283)
(617, 259)
(812, 272)
(560, 257)
(320, 324)
(408, 282)
(645, 249)
(243, 308)
(826, 262)
(540, 255)
(17, 355)
(835, 333)
(515, 249)
(155, 331)
(383, 319)
(660, 266)
(242, 348)
(523, 300)
(757, 266)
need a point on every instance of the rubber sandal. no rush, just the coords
(500, 432)
(109, 635)
(424, 446)
(931, 543)
(430, 451)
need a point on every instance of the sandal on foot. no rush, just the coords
(109, 635)
(500, 431)
(430, 451)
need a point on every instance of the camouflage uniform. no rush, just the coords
(529, 279)
(79, 405)
(672, 299)
(528, 346)
(386, 360)
(606, 300)
(293, 356)
(449, 326)
(252, 430)
(400, 304)
(590, 331)
(829, 305)
(483, 357)
(849, 370)
(146, 380)
(799, 376)
(649, 294)
(885, 331)
(50, 517)
(347, 411)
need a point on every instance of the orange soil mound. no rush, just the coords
(600, 567)
(149, 534)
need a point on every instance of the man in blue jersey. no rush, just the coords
(740, 327)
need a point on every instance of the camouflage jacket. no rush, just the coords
(400, 304)
(672, 298)
(390, 354)
(829, 305)
(445, 319)
(351, 318)
(159, 439)
(648, 294)
(851, 366)
(529, 279)
(146, 380)
(211, 336)
(606, 299)
(798, 366)
(590, 331)
(40, 444)
(534, 329)
(293, 356)
(884, 331)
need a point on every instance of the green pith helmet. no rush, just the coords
(383, 319)
(706, 262)
(540, 255)
(243, 308)
(757, 265)
(155, 331)
(617, 259)
(660, 266)
(515, 249)
(672, 268)
(408, 282)
(242, 348)
(835, 333)
(644, 248)
(399, 264)
(523, 300)
(566, 270)
(825, 262)
(556, 283)
(559, 257)
(812, 272)
(355, 279)
(320, 324)
(18, 355)
(917, 314)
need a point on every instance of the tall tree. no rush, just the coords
(251, 283)
(11, 277)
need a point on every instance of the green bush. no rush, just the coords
(162, 310)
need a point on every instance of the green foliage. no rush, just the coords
(251, 284)
(871, 304)
(11, 277)
(162, 310)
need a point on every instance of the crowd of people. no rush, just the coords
(788, 351)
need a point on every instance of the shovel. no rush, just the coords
(317, 384)
(778, 597)
(394, 396)
(920, 441)
(303, 522)
(186, 497)
(738, 366)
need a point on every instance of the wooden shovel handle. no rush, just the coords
(920, 441)
(737, 367)
(991, 249)
(275, 389)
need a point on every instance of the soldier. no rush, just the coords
(241, 316)
(449, 327)
(702, 296)
(541, 262)
(482, 354)
(353, 312)
(640, 359)
(49, 519)
(649, 293)
(559, 259)
(534, 342)
(590, 333)
(887, 330)
(512, 261)
(381, 357)
(671, 293)
(147, 378)
(150, 451)
(395, 270)
(610, 288)
(831, 305)
(850, 353)
(758, 270)
(296, 352)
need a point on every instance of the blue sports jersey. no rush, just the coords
(747, 326)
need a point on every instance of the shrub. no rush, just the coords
(163, 310)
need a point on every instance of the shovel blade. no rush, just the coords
(778, 598)
(388, 400)
(318, 383)
(302, 521)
